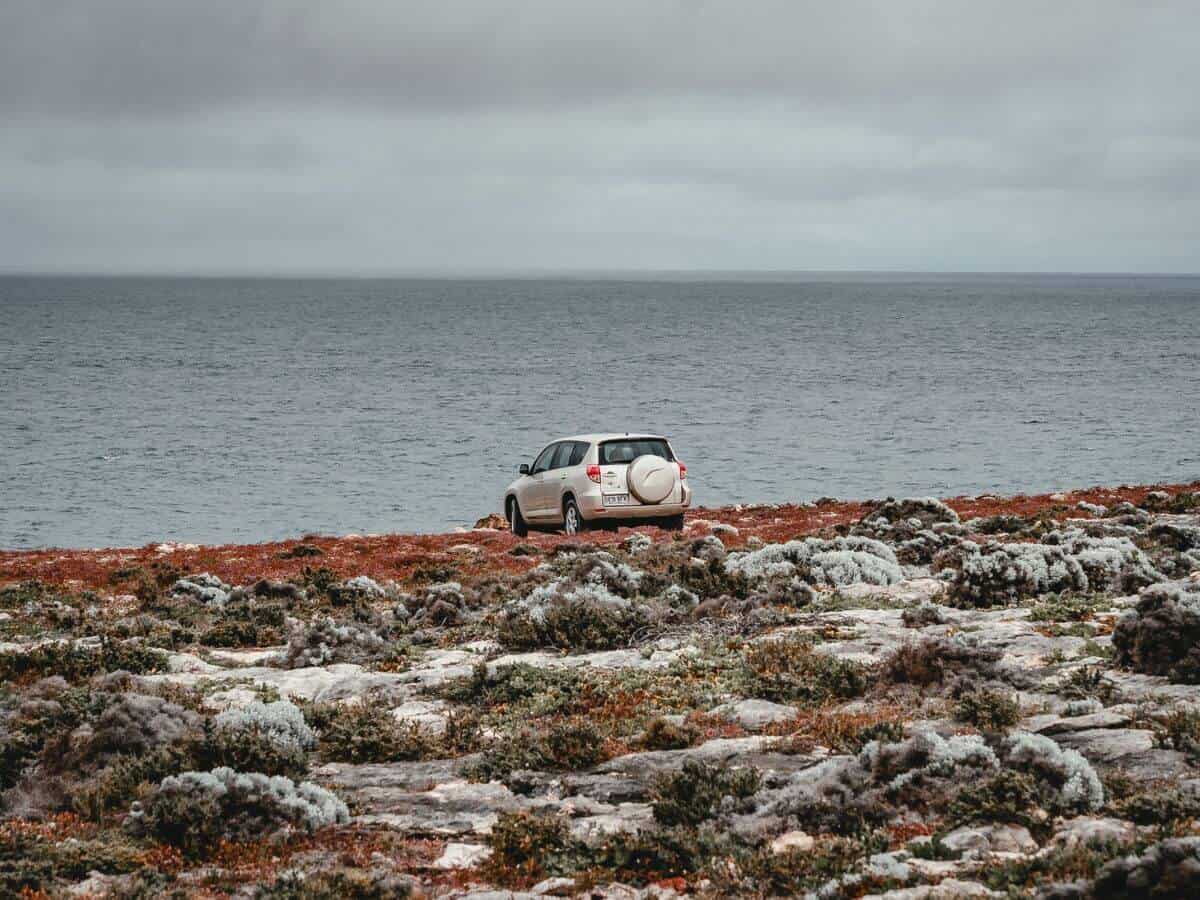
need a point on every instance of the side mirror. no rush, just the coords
(524, 470)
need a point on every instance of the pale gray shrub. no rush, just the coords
(326, 641)
(1078, 784)
(237, 805)
(208, 589)
(837, 562)
(281, 722)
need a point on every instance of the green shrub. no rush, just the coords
(1180, 730)
(1169, 809)
(249, 750)
(77, 662)
(567, 745)
(661, 734)
(31, 860)
(570, 624)
(789, 670)
(540, 691)
(25, 734)
(1021, 876)
(247, 624)
(988, 709)
(368, 733)
(795, 872)
(1007, 796)
(339, 884)
(15, 596)
(120, 782)
(692, 795)
(1067, 608)
(529, 846)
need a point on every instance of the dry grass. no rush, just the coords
(834, 728)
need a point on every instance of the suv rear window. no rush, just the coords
(626, 451)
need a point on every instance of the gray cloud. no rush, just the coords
(379, 136)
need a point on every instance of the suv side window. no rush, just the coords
(563, 456)
(578, 453)
(542, 463)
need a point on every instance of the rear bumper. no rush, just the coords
(591, 506)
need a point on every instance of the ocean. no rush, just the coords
(238, 410)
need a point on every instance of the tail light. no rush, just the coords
(682, 470)
(593, 472)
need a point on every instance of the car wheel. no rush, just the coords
(516, 521)
(573, 522)
(673, 523)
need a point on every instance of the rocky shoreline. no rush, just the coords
(977, 697)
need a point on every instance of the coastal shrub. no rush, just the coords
(988, 709)
(1180, 730)
(326, 641)
(1007, 796)
(571, 616)
(1109, 563)
(922, 615)
(909, 767)
(962, 776)
(916, 528)
(1003, 523)
(202, 587)
(1167, 869)
(1177, 536)
(1073, 783)
(337, 884)
(1161, 636)
(998, 574)
(529, 846)
(790, 873)
(194, 811)
(789, 669)
(353, 591)
(121, 780)
(663, 734)
(367, 732)
(130, 724)
(921, 512)
(37, 859)
(271, 738)
(76, 661)
(540, 691)
(49, 710)
(247, 623)
(1067, 608)
(935, 660)
(1168, 808)
(569, 744)
(1087, 683)
(696, 791)
(838, 562)
(438, 606)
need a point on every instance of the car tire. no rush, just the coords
(573, 520)
(673, 523)
(516, 521)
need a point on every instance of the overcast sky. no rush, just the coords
(375, 136)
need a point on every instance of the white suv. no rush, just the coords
(592, 479)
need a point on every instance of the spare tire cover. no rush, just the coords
(651, 478)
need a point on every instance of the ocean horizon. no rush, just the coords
(232, 408)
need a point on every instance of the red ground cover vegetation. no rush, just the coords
(478, 553)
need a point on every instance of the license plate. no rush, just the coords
(616, 499)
